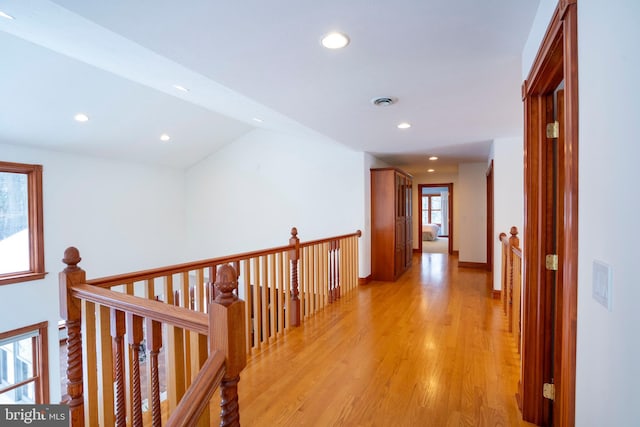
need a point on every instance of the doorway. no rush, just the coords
(549, 316)
(435, 217)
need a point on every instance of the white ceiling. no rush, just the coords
(454, 67)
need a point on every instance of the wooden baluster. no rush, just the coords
(117, 336)
(503, 272)
(286, 271)
(273, 304)
(186, 302)
(176, 356)
(323, 253)
(343, 257)
(356, 259)
(314, 289)
(134, 338)
(250, 342)
(294, 255)
(154, 343)
(331, 276)
(90, 362)
(513, 242)
(176, 297)
(227, 326)
(305, 268)
(211, 290)
(236, 265)
(257, 304)
(280, 296)
(71, 313)
(337, 269)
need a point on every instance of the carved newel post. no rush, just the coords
(71, 313)
(227, 334)
(294, 255)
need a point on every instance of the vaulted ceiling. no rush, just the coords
(453, 68)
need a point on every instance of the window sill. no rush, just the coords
(22, 277)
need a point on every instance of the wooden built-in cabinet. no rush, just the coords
(391, 225)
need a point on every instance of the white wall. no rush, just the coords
(508, 195)
(608, 349)
(472, 212)
(608, 346)
(121, 216)
(249, 194)
(436, 178)
(538, 29)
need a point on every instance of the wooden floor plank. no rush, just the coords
(431, 349)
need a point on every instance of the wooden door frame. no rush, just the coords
(557, 60)
(449, 214)
(490, 239)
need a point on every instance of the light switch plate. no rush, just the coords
(602, 282)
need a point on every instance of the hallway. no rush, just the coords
(428, 350)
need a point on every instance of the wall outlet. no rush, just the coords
(602, 282)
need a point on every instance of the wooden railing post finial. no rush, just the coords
(514, 240)
(294, 256)
(226, 283)
(71, 313)
(227, 328)
(71, 258)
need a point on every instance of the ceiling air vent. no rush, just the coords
(383, 101)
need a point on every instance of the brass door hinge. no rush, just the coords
(551, 262)
(553, 130)
(549, 391)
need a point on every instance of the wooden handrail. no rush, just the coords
(150, 309)
(195, 400)
(106, 282)
(358, 233)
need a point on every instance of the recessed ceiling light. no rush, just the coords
(431, 170)
(335, 40)
(164, 137)
(433, 158)
(404, 125)
(181, 88)
(257, 119)
(81, 117)
(4, 15)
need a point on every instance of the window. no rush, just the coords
(21, 236)
(431, 209)
(24, 377)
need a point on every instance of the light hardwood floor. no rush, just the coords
(428, 350)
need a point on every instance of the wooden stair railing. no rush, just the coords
(511, 279)
(166, 310)
(224, 327)
(281, 286)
